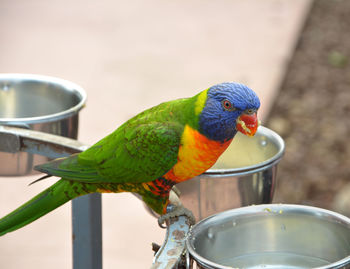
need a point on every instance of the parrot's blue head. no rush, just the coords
(229, 107)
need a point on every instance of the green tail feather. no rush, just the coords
(51, 198)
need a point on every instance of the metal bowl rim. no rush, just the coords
(243, 171)
(68, 85)
(255, 167)
(262, 209)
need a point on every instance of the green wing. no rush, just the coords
(134, 153)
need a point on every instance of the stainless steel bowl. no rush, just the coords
(39, 103)
(272, 236)
(245, 174)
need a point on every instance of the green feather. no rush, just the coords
(142, 154)
(51, 198)
(141, 150)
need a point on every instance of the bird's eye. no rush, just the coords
(227, 105)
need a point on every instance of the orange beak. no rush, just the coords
(247, 124)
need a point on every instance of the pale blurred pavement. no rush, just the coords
(130, 55)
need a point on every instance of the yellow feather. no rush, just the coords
(196, 155)
(200, 103)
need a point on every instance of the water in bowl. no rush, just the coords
(246, 151)
(274, 260)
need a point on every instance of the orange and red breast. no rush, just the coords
(196, 155)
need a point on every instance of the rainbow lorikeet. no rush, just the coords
(150, 153)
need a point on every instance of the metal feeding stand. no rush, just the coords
(86, 210)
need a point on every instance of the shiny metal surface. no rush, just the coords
(244, 175)
(272, 236)
(38, 103)
(172, 251)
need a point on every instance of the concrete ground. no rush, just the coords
(129, 56)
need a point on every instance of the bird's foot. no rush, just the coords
(176, 211)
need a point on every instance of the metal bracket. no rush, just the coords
(172, 252)
(13, 139)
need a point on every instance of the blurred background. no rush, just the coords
(132, 55)
(312, 113)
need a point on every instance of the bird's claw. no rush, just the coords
(176, 211)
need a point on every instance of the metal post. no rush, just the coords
(87, 232)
